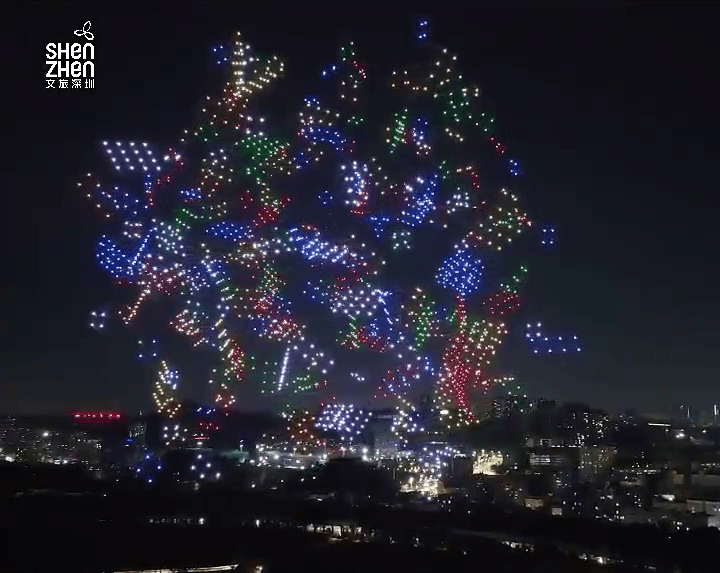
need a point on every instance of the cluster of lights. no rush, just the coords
(116, 201)
(222, 53)
(358, 377)
(502, 302)
(426, 468)
(483, 339)
(175, 435)
(487, 384)
(405, 132)
(357, 184)
(224, 227)
(170, 238)
(548, 236)
(506, 300)
(358, 302)
(94, 417)
(502, 224)
(229, 230)
(471, 349)
(351, 72)
(541, 344)
(486, 463)
(396, 135)
(147, 350)
(97, 319)
(397, 382)
(418, 136)
(119, 262)
(153, 182)
(315, 249)
(444, 83)
(423, 30)
(301, 432)
(345, 419)
(462, 197)
(420, 317)
(419, 203)
(202, 467)
(515, 281)
(133, 229)
(407, 421)
(131, 156)
(401, 239)
(460, 272)
(303, 368)
(165, 392)
(252, 73)
(191, 195)
(264, 156)
(499, 147)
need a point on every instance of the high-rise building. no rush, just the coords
(505, 406)
(7, 431)
(384, 440)
(580, 425)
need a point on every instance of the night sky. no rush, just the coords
(612, 111)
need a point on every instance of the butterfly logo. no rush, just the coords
(85, 31)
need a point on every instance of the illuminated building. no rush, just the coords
(384, 440)
(486, 463)
(505, 406)
(7, 435)
(554, 457)
(137, 433)
(594, 461)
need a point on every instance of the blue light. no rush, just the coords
(326, 197)
(302, 159)
(324, 134)
(514, 167)
(420, 202)
(190, 195)
(461, 272)
(148, 350)
(423, 28)
(548, 236)
(229, 230)
(120, 263)
(378, 224)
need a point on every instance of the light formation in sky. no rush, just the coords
(259, 240)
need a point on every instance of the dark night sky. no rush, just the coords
(612, 111)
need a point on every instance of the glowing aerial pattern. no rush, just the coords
(344, 419)
(540, 343)
(148, 349)
(97, 319)
(461, 272)
(303, 368)
(548, 236)
(255, 239)
(165, 393)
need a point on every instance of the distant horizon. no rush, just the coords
(128, 413)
